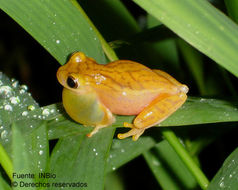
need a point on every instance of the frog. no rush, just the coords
(94, 93)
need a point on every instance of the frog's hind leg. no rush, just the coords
(157, 111)
(182, 87)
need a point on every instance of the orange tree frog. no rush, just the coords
(93, 93)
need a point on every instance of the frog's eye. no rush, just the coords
(72, 82)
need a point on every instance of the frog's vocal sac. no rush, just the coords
(93, 93)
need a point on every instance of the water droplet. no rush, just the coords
(24, 87)
(6, 91)
(122, 150)
(230, 176)
(46, 112)
(15, 84)
(25, 113)
(113, 168)
(94, 149)
(15, 100)
(96, 153)
(155, 162)
(31, 107)
(4, 134)
(57, 41)
(222, 185)
(8, 107)
(41, 152)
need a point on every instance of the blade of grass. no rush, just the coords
(6, 162)
(201, 25)
(186, 158)
(232, 7)
(194, 63)
(168, 168)
(226, 177)
(3, 184)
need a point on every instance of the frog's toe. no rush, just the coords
(95, 130)
(129, 125)
(135, 133)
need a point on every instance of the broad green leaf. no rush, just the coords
(168, 168)
(57, 25)
(226, 177)
(122, 151)
(201, 25)
(81, 159)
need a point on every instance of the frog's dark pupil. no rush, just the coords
(71, 82)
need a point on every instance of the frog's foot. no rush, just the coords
(134, 132)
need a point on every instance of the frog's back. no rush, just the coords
(127, 87)
(124, 74)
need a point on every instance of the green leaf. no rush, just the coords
(122, 151)
(202, 110)
(201, 25)
(81, 159)
(194, 111)
(226, 177)
(168, 168)
(57, 25)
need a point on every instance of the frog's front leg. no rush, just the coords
(108, 119)
(157, 111)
